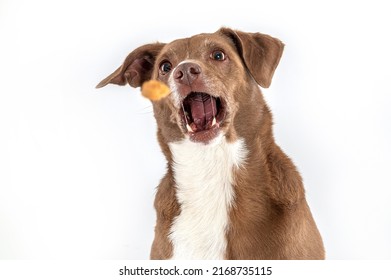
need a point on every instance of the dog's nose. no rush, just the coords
(187, 73)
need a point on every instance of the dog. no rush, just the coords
(230, 192)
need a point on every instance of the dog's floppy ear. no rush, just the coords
(137, 67)
(260, 53)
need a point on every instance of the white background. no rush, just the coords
(79, 166)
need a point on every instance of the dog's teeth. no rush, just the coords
(189, 128)
(214, 121)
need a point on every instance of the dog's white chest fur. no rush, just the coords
(204, 177)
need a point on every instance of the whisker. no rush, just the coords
(146, 113)
(146, 110)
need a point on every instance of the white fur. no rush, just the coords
(204, 177)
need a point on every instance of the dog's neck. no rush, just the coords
(204, 180)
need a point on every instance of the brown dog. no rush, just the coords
(229, 192)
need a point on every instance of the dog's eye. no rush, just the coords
(218, 55)
(165, 67)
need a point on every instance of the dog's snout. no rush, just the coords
(187, 73)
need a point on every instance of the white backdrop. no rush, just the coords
(79, 166)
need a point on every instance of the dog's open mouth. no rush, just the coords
(202, 115)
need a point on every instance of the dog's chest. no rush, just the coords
(204, 177)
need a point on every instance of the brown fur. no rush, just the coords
(270, 218)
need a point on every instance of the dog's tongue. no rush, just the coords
(203, 108)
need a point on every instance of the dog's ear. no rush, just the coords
(260, 53)
(137, 67)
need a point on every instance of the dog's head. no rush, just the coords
(213, 79)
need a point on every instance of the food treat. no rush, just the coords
(154, 90)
